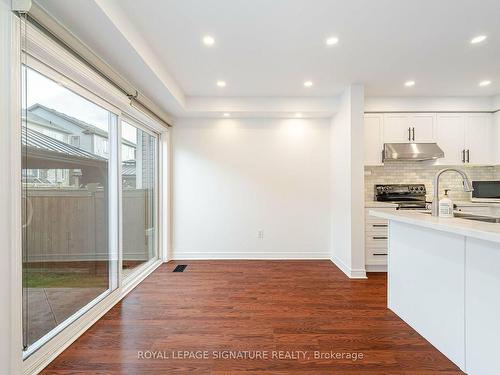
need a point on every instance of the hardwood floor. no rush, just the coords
(255, 306)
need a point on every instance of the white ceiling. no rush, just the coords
(269, 48)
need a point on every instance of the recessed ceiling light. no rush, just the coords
(221, 83)
(484, 83)
(308, 83)
(331, 41)
(409, 83)
(298, 115)
(478, 39)
(226, 114)
(208, 40)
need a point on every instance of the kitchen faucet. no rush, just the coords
(435, 199)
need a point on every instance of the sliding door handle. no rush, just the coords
(29, 213)
(413, 131)
(409, 134)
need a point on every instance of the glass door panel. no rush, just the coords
(139, 203)
(66, 193)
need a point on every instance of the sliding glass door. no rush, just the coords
(139, 152)
(68, 262)
(89, 192)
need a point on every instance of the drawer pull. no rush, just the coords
(379, 225)
(380, 237)
(379, 254)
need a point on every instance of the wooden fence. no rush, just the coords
(71, 225)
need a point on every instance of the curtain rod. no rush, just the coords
(47, 24)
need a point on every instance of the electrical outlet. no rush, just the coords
(260, 234)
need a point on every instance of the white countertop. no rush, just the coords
(375, 204)
(468, 228)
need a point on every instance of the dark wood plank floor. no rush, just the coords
(266, 306)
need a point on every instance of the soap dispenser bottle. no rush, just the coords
(446, 205)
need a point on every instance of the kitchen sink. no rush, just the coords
(466, 216)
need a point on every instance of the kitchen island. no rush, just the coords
(444, 281)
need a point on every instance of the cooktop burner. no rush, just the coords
(406, 196)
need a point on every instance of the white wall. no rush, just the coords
(10, 296)
(234, 177)
(347, 185)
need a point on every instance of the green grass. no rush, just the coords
(53, 279)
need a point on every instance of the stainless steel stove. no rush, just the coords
(406, 196)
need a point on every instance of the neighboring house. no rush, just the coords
(69, 165)
(78, 134)
(129, 174)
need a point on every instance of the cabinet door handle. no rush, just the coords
(379, 254)
(380, 237)
(468, 156)
(380, 225)
(413, 131)
(463, 156)
(409, 134)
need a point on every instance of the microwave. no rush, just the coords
(486, 191)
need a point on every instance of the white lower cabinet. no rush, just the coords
(376, 247)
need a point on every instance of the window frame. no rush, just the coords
(48, 56)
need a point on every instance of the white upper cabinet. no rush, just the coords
(478, 138)
(465, 138)
(406, 128)
(422, 127)
(373, 139)
(397, 128)
(451, 138)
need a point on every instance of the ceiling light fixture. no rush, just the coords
(308, 83)
(478, 39)
(409, 83)
(331, 41)
(484, 83)
(208, 40)
(226, 114)
(221, 83)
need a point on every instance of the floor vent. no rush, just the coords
(180, 268)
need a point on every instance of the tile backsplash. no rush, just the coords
(423, 173)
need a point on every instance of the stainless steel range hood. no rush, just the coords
(411, 152)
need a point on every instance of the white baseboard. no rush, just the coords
(250, 255)
(351, 273)
(376, 268)
(37, 361)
